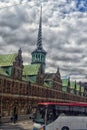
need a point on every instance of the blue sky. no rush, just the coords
(64, 31)
(82, 5)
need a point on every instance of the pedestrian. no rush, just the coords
(15, 117)
(11, 118)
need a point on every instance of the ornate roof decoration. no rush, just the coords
(18, 59)
(68, 81)
(57, 75)
(17, 67)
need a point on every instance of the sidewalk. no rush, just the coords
(20, 118)
(19, 125)
(28, 124)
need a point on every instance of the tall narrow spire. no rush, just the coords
(39, 40)
(39, 54)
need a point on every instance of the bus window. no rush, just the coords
(76, 110)
(62, 109)
(86, 110)
(82, 109)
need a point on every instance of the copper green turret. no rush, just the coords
(39, 54)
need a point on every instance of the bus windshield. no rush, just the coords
(45, 114)
(39, 116)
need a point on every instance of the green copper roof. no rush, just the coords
(46, 85)
(27, 79)
(48, 76)
(65, 82)
(82, 89)
(77, 87)
(7, 59)
(2, 72)
(64, 88)
(31, 69)
(72, 91)
(72, 85)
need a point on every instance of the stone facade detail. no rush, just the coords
(17, 67)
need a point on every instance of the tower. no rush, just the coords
(39, 54)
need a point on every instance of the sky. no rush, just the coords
(64, 33)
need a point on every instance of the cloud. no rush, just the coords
(64, 33)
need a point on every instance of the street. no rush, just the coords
(20, 125)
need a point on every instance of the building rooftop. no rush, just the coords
(31, 69)
(7, 59)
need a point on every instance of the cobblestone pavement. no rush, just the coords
(21, 125)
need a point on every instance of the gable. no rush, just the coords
(2, 72)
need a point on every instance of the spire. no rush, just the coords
(58, 72)
(75, 84)
(39, 40)
(39, 54)
(69, 81)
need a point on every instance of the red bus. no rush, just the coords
(60, 116)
